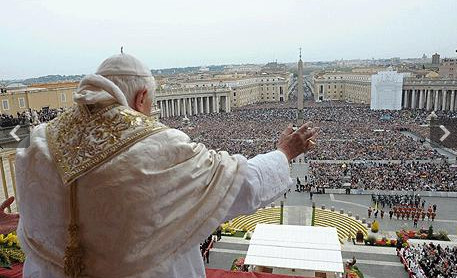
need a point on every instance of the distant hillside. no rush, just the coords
(66, 78)
(52, 79)
(170, 71)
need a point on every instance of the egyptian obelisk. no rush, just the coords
(300, 93)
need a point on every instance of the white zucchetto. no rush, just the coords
(123, 64)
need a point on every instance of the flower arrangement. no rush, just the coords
(9, 240)
(227, 229)
(238, 265)
(384, 241)
(10, 250)
(423, 234)
(353, 272)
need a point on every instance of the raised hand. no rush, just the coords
(8, 221)
(292, 143)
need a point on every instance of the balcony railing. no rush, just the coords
(8, 175)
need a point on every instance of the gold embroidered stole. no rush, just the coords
(83, 138)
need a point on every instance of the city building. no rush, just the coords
(346, 86)
(436, 59)
(220, 92)
(431, 92)
(16, 98)
(448, 68)
(179, 95)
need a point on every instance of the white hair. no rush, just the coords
(131, 85)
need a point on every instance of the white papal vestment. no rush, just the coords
(144, 210)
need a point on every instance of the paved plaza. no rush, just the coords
(374, 262)
(446, 218)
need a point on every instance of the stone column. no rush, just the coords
(184, 107)
(189, 107)
(195, 106)
(443, 100)
(201, 106)
(421, 99)
(167, 113)
(227, 105)
(207, 105)
(452, 106)
(179, 107)
(429, 100)
(172, 107)
(217, 104)
(437, 99)
(214, 104)
(406, 99)
(413, 102)
(161, 108)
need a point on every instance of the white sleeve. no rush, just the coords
(267, 178)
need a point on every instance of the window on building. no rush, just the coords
(5, 104)
(234, 94)
(63, 97)
(21, 102)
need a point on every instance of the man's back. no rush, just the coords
(120, 207)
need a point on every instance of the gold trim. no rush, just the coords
(80, 141)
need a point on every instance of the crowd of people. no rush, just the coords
(430, 260)
(29, 117)
(385, 200)
(402, 206)
(407, 175)
(347, 132)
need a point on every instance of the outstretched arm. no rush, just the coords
(267, 177)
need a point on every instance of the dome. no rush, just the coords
(432, 74)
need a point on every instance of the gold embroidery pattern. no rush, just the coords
(80, 140)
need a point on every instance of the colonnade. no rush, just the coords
(429, 99)
(188, 106)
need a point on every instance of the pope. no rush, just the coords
(107, 191)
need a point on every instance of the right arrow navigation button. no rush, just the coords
(446, 133)
(443, 131)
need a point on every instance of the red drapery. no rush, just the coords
(220, 273)
(15, 272)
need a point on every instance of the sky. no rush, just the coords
(41, 37)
